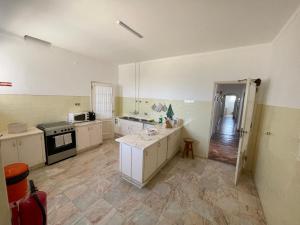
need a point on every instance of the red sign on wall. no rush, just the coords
(6, 84)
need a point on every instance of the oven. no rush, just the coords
(60, 141)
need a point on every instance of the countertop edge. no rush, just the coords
(30, 131)
(87, 123)
(119, 140)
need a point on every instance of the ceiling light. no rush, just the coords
(129, 29)
(40, 41)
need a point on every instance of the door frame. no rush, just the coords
(113, 96)
(213, 102)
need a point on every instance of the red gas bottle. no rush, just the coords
(32, 210)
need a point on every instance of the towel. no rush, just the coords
(59, 141)
(68, 138)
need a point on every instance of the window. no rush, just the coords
(102, 100)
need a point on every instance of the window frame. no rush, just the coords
(95, 83)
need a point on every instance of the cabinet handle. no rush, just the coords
(20, 143)
(14, 144)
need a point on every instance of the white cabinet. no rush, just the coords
(95, 132)
(82, 137)
(126, 159)
(27, 149)
(139, 165)
(126, 127)
(30, 149)
(107, 128)
(162, 151)
(88, 134)
(150, 161)
(9, 151)
(173, 144)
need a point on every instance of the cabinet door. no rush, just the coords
(136, 127)
(95, 132)
(82, 137)
(137, 164)
(123, 127)
(31, 149)
(162, 152)
(171, 146)
(150, 161)
(9, 152)
(125, 159)
(177, 141)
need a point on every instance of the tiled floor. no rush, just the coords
(87, 190)
(224, 143)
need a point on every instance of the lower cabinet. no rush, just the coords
(162, 151)
(126, 127)
(150, 161)
(88, 135)
(26, 149)
(173, 143)
(139, 165)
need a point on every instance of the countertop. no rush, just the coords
(142, 140)
(30, 131)
(79, 124)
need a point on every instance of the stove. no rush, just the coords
(60, 141)
(56, 128)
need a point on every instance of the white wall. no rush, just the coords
(4, 209)
(193, 76)
(39, 70)
(277, 169)
(284, 89)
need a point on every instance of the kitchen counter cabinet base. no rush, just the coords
(139, 166)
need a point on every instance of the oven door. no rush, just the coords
(58, 143)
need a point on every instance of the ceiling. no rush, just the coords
(169, 27)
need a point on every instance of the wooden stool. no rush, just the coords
(188, 146)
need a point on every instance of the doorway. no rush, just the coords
(226, 122)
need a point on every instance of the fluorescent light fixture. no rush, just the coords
(129, 29)
(37, 40)
(189, 101)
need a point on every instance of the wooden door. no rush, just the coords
(245, 127)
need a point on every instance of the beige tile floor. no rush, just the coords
(87, 189)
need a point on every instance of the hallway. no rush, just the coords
(224, 143)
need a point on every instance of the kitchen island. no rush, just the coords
(142, 156)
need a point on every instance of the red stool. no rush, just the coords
(188, 147)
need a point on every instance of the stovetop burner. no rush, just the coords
(55, 124)
(56, 127)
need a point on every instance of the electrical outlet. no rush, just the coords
(77, 104)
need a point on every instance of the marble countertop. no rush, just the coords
(30, 131)
(142, 140)
(79, 124)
